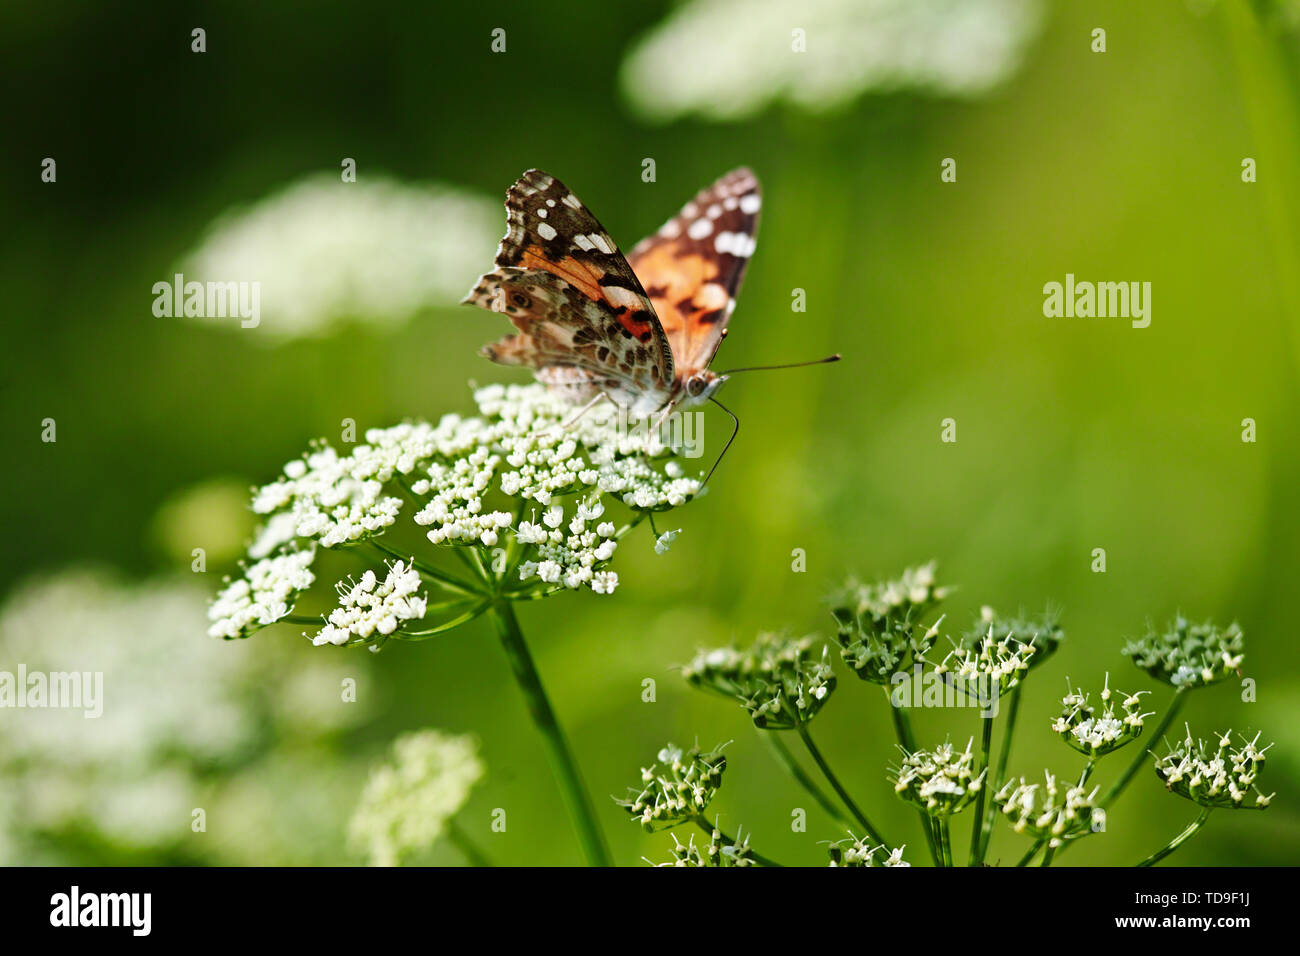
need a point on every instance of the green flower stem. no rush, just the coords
(837, 786)
(710, 829)
(907, 740)
(786, 759)
(1000, 778)
(1047, 857)
(448, 581)
(557, 748)
(452, 624)
(1157, 735)
(1179, 840)
(462, 842)
(301, 619)
(945, 842)
(1033, 851)
(977, 824)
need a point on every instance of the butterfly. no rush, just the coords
(640, 330)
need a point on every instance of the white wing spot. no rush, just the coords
(671, 229)
(714, 211)
(603, 243)
(700, 228)
(551, 203)
(583, 243)
(541, 214)
(571, 201)
(750, 204)
(546, 231)
(729, 203)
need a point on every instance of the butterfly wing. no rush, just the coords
(549, 230)
(570, 338)
(692, 267)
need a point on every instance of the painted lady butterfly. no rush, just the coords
(641, 330)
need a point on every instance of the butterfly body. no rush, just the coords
(640, 330)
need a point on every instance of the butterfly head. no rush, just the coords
(698, 386)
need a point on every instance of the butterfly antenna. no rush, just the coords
(767, 368)
(734, 432)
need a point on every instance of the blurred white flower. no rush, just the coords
(727, 59)
(325, 251)
(407, 804)
(175, 705)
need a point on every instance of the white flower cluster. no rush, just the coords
(1222, 777)
(940, 781)
(326, 251)
(1047, 811)
(369, 606)
(174, 706)
(994, 665)
(744, 54)
(264, 595)
(408, 803)
(1095, 734)
(854, 852)
(474, 480)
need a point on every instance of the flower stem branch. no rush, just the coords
(557, 748)
(998, 779)
(1117, 788)
(945, 842)
(1179, 840)
(907, 740)
(786, 759)
(462, 842)
(977, 824)
(837, 786)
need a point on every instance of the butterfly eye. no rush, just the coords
(694, 386)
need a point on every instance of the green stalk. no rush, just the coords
(1177, 841)
(1047, 857)
(466, 846)
(1000, 778)
(1157, 735)
(977, 824)
(838, 787)
(907, 740)
(1033, 851)
(945, 842)
(557, 748)
(786, 759)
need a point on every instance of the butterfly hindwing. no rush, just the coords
(561, 327)
(692, 267)
(549, 230)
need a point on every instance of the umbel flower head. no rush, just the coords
(1220, 777)
(1043, 634)
(1189, 655)
(879, 625)
(714, 853)
(521, 495)
(1047, 811)
(991, 666)
(941, 781)
(855, 852)
(1093, 734)
(676, 788)
(407, 803)
(780, 681)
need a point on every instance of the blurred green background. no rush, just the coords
(1073, 434)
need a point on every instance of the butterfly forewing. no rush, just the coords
(692, 267)
(549, 230)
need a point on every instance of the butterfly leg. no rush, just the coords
(573, 419)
